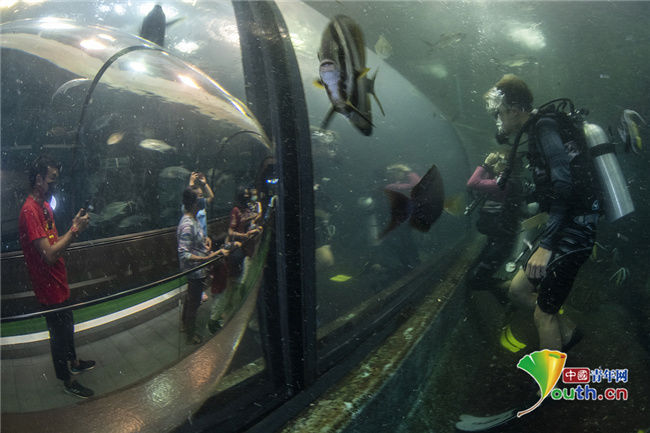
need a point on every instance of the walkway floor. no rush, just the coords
(29, 383)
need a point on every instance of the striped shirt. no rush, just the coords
(191, 241)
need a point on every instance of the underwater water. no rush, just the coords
(596, 54)
(433, 62)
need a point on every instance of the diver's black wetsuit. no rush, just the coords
(499, 220)
(567, 190)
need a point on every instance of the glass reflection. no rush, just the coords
(130, 139)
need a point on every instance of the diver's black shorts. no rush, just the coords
(573, 249)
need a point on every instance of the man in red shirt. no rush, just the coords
(43, 250)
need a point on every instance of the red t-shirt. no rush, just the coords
(236, 222)
(50, 282)
(240, 223)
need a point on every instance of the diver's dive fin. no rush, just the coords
(328, 118)
(399, 210)
(484, 423)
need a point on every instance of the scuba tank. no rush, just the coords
(618, 201)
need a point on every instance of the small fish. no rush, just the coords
(422, 208)
(154, 26)
(343, 73)
(102, 122)
(438, 70)
(175, 172)
(115, 209)
(628, 130)
(516, 61)
(132, 221)
(156, 145)
(383, 48)
(95, 219)
(217, 177)
(59, 131)
(319, 213)
(63, 88)
(115, 138)
(324, 257)
(326, 136)
(446, 40)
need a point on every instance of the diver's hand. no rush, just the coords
(81, 220)
(208, 243)
(538, 262)
(491, 159)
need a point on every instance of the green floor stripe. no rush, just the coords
(37, 324)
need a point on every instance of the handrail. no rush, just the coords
(112, 296)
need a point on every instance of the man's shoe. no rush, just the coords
(83, 366)
(78, 390)
(194, 339)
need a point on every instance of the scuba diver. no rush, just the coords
(572, 179)
(499, 215)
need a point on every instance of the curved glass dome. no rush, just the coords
(128, 121)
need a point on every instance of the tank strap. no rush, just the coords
(601, 149)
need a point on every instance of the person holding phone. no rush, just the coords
(43, 250)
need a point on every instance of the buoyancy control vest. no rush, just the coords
(596, 175)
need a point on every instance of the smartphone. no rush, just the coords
(86, 208)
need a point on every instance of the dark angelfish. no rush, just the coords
(446, 40)
(155, 24)
(343, 73)
(422, 208)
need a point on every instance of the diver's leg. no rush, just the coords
(521, 291)
(567, 328)
(548, 329)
